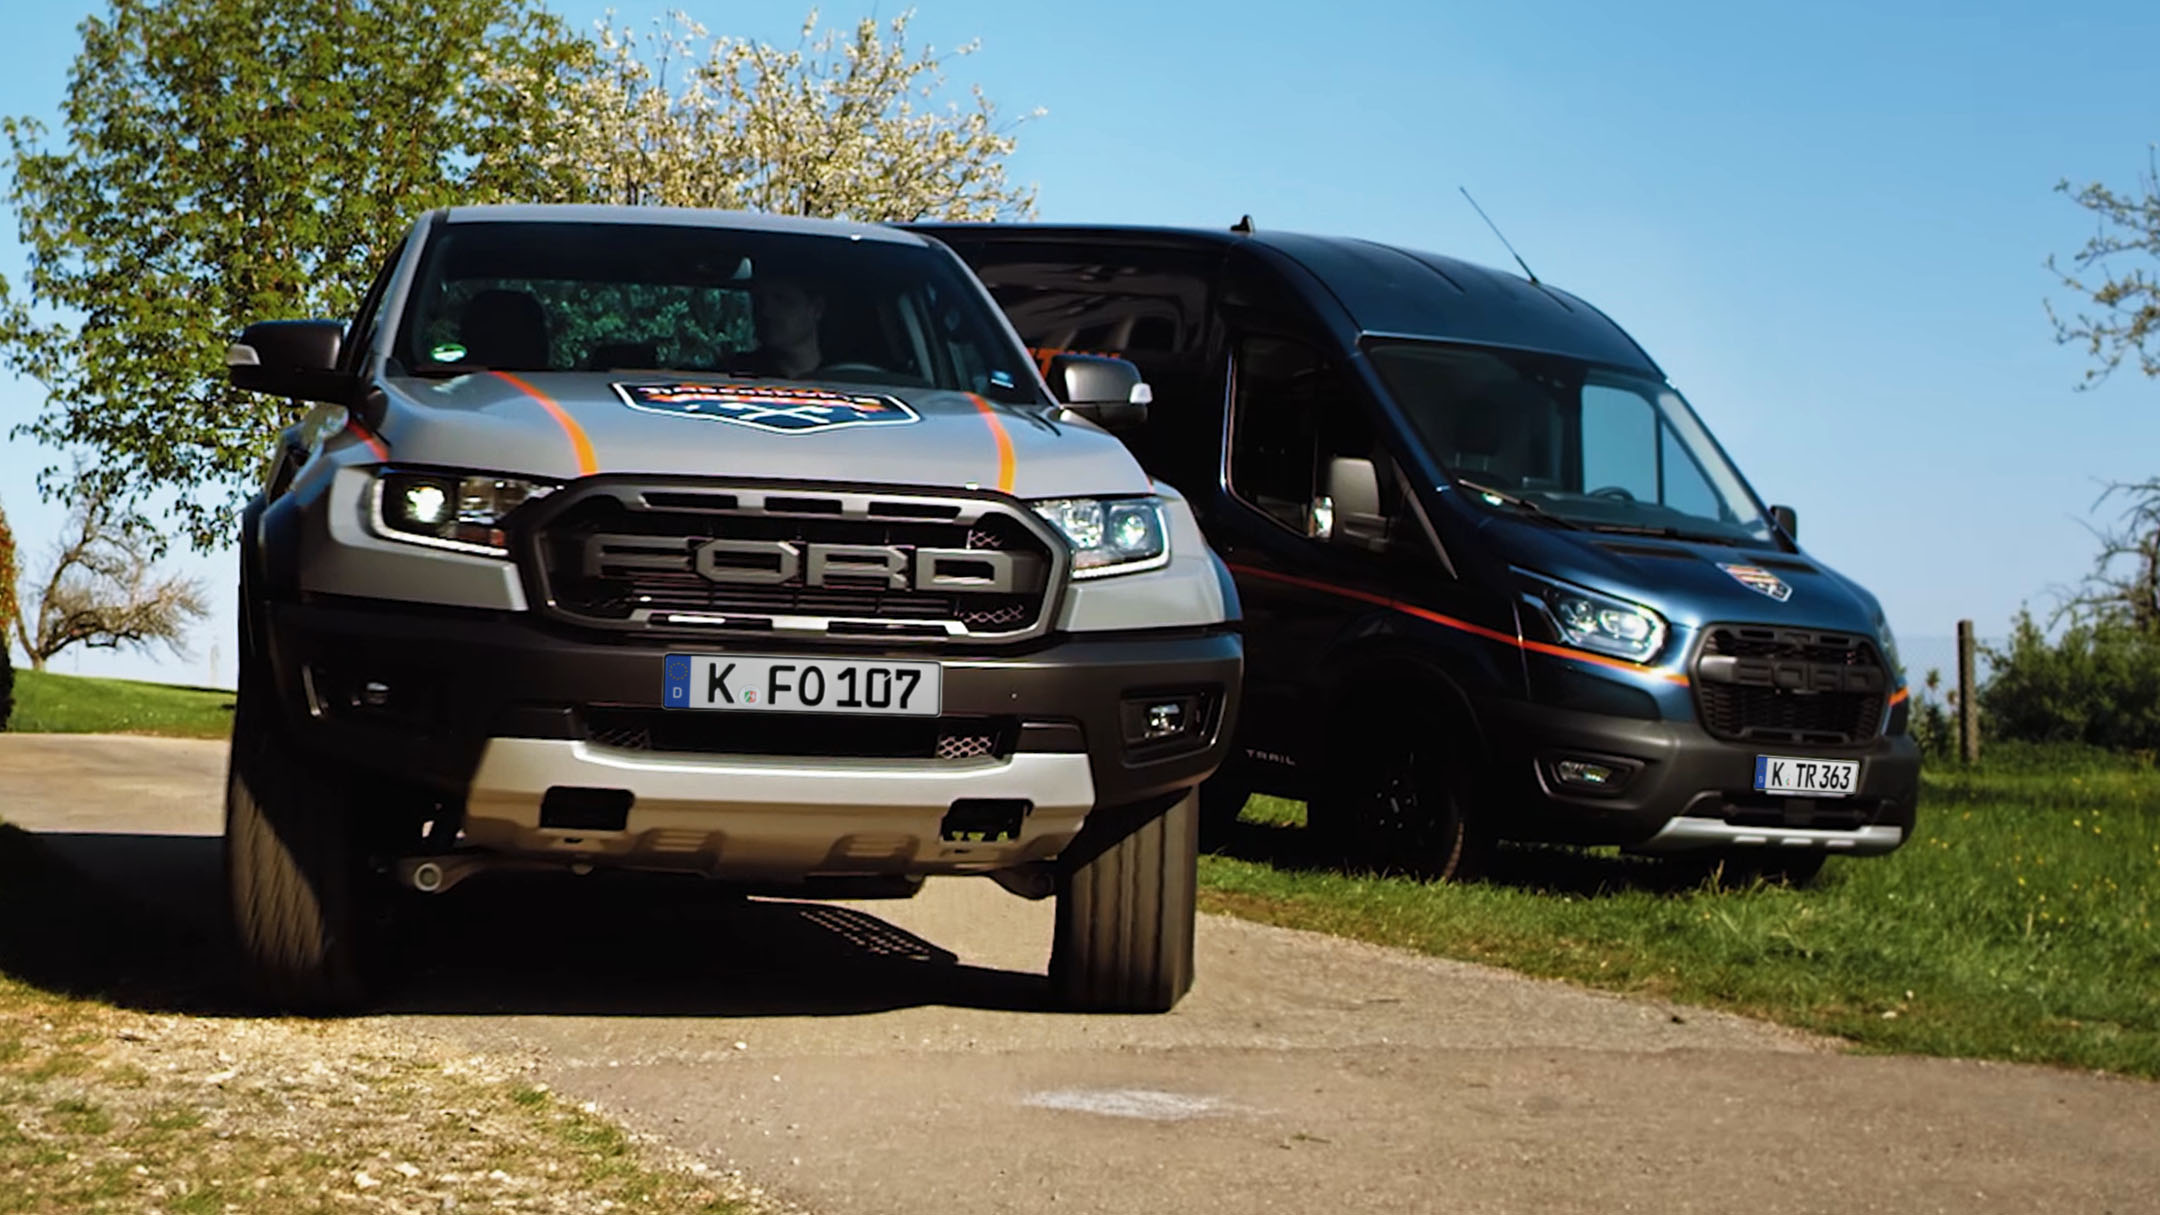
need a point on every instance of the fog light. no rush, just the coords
(1158, 719)
(1164, 720)
(1587, 774)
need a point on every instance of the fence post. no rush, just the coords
(1968, 708)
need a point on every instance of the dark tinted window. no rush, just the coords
(573, 296)
(1100, 298)
(1294, 411)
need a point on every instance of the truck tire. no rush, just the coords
(1125, 910)
(291, 870)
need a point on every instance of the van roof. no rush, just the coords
(1387, 290)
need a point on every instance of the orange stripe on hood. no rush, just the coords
(1004, 442)
(580, 446)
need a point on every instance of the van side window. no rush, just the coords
(1293, 414)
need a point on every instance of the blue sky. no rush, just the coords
(1828, 222)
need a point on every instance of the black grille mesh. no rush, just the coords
(624, 580)
(1774, 692)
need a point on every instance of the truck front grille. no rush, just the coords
(1772, 685)
(805, 735)
(743, 560)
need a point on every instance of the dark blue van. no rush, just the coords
(1499, 580)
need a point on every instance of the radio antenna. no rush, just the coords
(1503, 239)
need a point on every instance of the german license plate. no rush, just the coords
(1807, 777)
(764, 684)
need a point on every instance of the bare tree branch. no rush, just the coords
(2126, 318)
(102, 590)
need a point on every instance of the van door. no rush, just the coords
(1319, 531)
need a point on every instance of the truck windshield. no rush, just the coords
(1598, 448)
(569, 296)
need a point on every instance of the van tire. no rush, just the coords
(292, 874)
(1395, 798)
(1126, 902)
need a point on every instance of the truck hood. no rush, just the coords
(562, 425)
(1689, 582)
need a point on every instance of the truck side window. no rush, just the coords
(368, 317)
(1294, 412)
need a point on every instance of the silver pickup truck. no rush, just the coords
(686, 541)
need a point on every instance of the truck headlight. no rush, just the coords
(1599, 623)
(463, 512)
(1110, 535)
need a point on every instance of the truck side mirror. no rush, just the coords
(296, 359)
(1353, 495)
(1788, 521)
(1106, 391)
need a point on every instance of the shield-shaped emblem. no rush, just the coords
(1756, 578)
(780, 410)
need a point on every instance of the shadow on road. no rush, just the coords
(150, 933)
(1543, 869)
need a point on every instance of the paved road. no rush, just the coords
(897, 1057)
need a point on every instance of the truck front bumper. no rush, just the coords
(557, 745)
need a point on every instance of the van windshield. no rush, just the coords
(1593, 447)
(569, 296)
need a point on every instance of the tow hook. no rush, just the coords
(437, 874)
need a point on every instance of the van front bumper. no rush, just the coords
(1685, 790)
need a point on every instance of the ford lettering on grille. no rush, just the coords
(725, 560)
(786, 563)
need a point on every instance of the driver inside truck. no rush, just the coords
(786, 313)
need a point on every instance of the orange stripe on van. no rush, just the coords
(580, 446)
(1477, 630)
(1899, 697)
(1004, 442)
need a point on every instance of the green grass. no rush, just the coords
(76, 704)
(2018, 924)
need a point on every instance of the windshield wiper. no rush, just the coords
(1522, 504)
(1669, 533)
(446, 371)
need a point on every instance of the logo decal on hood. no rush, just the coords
(780, 410)
(1756, 578)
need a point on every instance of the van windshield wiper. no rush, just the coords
(1522, 504)
(1669, 533)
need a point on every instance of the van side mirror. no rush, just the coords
(296, 359)
(1106, 391)
(1788, 521)
(1353, 498)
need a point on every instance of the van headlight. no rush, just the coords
(1599, 623)
(1110, 535)
(461, 512)
(1889, 649)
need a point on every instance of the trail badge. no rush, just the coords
(1756, 578)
